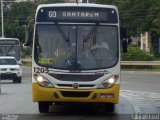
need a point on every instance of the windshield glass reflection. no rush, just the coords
(10, 50)
(76, 46)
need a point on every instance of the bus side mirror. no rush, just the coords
(29, 34)
(123, 37)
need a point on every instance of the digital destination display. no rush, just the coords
(77, 14)
(9, 42)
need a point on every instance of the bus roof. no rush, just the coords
(9, 38)
(44, 10)
(76, 5)
(7, 57)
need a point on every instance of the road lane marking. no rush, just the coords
(142, 100)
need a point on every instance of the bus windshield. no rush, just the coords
(78, 47)
(10, 48)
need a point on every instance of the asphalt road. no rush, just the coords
(140, 93)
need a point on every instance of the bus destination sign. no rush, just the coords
(9, 42)
(70, 14)
(75, 15)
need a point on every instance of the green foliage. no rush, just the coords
(139, 16)
(136, 54)
(26, 52)
(21, 10)
(52, 1)
(16, 18)
(136, 14)
(12, 30)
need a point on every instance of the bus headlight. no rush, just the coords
(109, 82)
(42, 81)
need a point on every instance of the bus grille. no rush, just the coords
(76, 78)
(75, 94)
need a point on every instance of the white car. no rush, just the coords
(10, 69)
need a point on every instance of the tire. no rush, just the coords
(17, 80)
(109, 107)
(57, 103)
(43, 107)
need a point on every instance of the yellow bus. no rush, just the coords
(76, 55)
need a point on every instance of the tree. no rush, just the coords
(16, 18)
(52, 1)
(139, 16)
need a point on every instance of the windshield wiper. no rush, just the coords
(71, 65)
(89, 35)
(9, 50)
(67, 39)
(63, 34)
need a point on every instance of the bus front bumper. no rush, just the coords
(109, 95)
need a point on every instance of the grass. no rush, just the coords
(26, 64)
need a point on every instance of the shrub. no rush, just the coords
(26, 52)
(136, 54)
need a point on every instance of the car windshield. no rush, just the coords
(8, 61)
(79, 47)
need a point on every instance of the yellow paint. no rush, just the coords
(46, 94)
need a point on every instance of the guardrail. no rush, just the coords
(123, 63)
(140, 63)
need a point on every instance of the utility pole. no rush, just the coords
(2, 33)
(2, 18)
(0, 83)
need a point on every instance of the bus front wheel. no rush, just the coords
(109, 107)
(43, 107)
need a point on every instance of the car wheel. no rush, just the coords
(43, 107)
(19, 79)
(109, 107)
(15, 80)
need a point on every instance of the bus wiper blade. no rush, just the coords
(90, 34)
(9, 50)
(63, 34)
